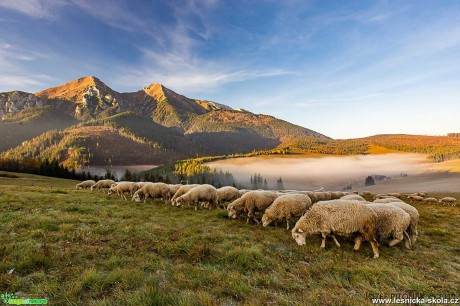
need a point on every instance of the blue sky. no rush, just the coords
(342, 68)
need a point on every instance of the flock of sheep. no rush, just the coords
(325, 213)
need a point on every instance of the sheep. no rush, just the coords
(415, 198)
(380, 196)
(285, 207)
(227, 194)
(395, 194)
(430, 200)
(337, 195)
(243, 191)
(387, 200)
(353, 197)
(85, 184)
(153, 191)
(136, 186)
(174, 187)
(341, 217)
(421, 194)
(203, 193)
(121, 188)
(414, 216)
(251, 202)
(102, 184)
(366, 193)
(181, 191)
(318, 196)
(392, 221)
(448, 200)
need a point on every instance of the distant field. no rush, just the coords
(75, 247)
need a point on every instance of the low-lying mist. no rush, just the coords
(309, 173)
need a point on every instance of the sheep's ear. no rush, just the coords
(300, 230)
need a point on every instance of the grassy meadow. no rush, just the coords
(76, 247)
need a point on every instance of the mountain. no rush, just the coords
(85, 122)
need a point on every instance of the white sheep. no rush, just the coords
(395, 194)
(415, 198)
(202, 193)
(227, 194)
(136, 186)
(286, 207)
(387, 200)
(173, 188)
(243, 191)
(152, 191)
(353, 197)
(181, 191)
(103, 184)
(338, 217)
(121, 188)
(448, 200)
(85, 184)
(367, 193)
(430, 200)
(392, 221)
(414, 216)
(250, 203)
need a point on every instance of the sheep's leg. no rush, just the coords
(375, 248)
(358, 242)
(335, 240)
(397, 238)
(287, 223)
(124, 196)
(323, 242)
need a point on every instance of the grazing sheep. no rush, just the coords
(318, 196)
(85, 184)
(448, 200)
(136, 186)
(422, 194)
(103, 184)
(286, 207)
(395, 194)
(430, 200)
(338, 217)
(415, 198)
(243, 191)
(392, 221)
(414, 216)
(338, 194)
(353, 197)
(227, 194)
(367, 193)
(152, 191)
(173, 188)
(251, 202)
(121, 188)
(181, 191)
(387, 200)
(381, 196)
(202, 193)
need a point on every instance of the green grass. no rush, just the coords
(77, 247)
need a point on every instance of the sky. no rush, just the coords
(346, 69)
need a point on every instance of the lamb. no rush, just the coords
(227, 194)
(85, 184)
(448, 200)
(102, 184)
(430, 200)
(414, 216)
(152, 191)
(387, 200)
(251, 202)
(353, 197)
(202, 193)
(341, 217)
(392, 221)
(181, 191)
(285, 207)
(121, 188)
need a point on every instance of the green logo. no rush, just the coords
(10, 299)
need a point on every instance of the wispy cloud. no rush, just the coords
(33, 8)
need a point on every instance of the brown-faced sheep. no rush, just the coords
(392, 221)
(251, 202)
(353, 197)
(448, 200)
(202, 193)
(85, 184)
(227, 194)
(414, 216)
(100, 185)
(181, 191)
(286, 207)
(338, 217)
(152, 191)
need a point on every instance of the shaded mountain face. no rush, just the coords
(161, 125)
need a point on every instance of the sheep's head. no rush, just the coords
(111, 190)
(180, 201)
(232, 211)
(137, 197)
(266, 220)
(299, 235)
(92, 188)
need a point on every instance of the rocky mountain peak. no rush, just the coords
(15, 101)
